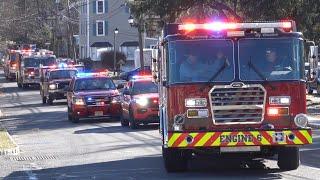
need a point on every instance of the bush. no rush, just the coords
(107, 59)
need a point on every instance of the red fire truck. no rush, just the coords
(232, 90)
(10, 64)
(29, 66)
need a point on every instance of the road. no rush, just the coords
(52, 147)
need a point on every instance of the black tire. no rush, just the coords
(309, 90)
(74, 120)
(174, 160)
(19, 85)
(124, 122)
(288, 158)
(132, 122)
(24, 86)
(44, 100)
(50, 101)
(69, 115)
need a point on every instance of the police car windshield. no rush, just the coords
(89, 84)
(273, 59)
(199, 60)
(35, 62)
(144, 87)
(62, 74)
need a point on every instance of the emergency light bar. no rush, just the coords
(98, 74)
(218, 26)
(143, 77)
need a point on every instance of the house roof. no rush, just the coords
(101, 44)
(130, 44)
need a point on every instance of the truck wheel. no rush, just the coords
(174, 160)
(19, 85)
(50, 101)
(132, 122)
(44, 99)
(24, 86)
(288, 158)
(124, 122)
(69, 114)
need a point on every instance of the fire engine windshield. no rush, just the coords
(35, 62)
(62, 74)
(271, 59)
(200, 61)
(144, 87)
(90, 84)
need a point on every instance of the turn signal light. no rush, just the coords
(278, 111)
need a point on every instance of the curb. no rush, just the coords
(8, 151)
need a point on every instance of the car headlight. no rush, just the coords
(279, 100)
(196, 102)
(52, 86)
(78, 101)
(116, 99)
(142, 101)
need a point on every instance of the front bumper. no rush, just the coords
(97, 112)
(239, 138)
(146, 115)
(31, 81)
(12, 75)
(57, 94)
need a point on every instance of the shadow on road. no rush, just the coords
(117, 129)
(146, 168)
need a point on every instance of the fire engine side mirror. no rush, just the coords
(164, 83)
(126, 92)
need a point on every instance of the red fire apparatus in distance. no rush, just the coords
(29, 66)
(232, 89)
(10, 64)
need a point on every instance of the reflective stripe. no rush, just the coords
(240, 138)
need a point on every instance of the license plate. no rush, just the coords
(98, 113)
(240, 149)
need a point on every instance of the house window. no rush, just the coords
(100, 6)
(100, 28)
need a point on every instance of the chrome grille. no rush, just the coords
(234, 105)
(62, 85)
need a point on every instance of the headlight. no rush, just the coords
(301, 120)
(280, 100)
(142, 101)
(116, 99)
(52, 86)
(78, 101)
(196, 102)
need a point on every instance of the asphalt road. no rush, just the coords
(53, 148)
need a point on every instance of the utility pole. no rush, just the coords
(69, 32)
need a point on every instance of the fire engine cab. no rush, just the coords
(232, 89)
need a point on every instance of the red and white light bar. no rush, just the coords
(219, 26)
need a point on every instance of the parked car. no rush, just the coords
(138, 71)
